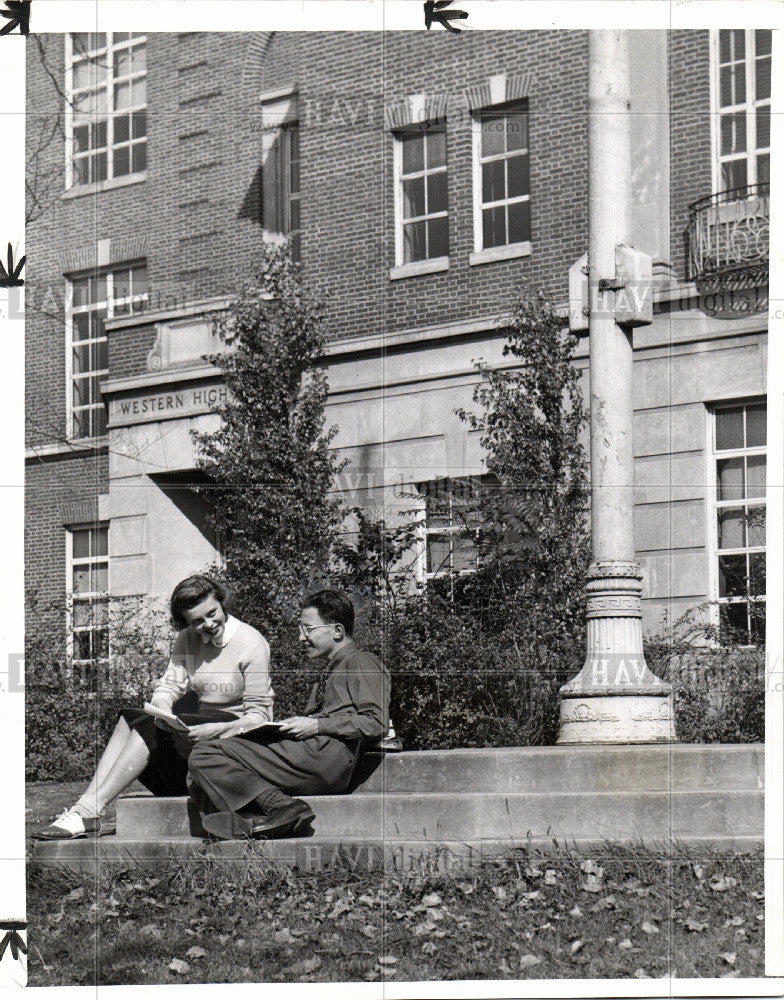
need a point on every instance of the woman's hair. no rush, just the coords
(334, 608)
(192, 591)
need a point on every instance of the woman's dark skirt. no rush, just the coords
(167, 768)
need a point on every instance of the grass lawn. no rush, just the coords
(622, 912)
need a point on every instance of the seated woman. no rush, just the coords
(226, 663)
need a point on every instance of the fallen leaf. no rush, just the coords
(177, 965)
(466, 888)
(526, 961)
(434, 914)
(626, 943)
(432, 899)
(591, 884)
(729, 957)
(591, 868)
(428, 947)
(439, 934)
(760, 916)
(387, 960)
(533, 895)
(550, 877)
(533, 872)
(195, 952)
(151, 930)
(576, 946)
(698, 870)
(499, 892)
(640, 974)
(575, 912)
(720, 883)
(367, 900)
(691, 924)
(369, 930)
(304, 968)
(283, 936)
(648, 927)
(758, 895)
(740, 934)
(224, 938)
(426, 927)
(77, 893)
(734, 922)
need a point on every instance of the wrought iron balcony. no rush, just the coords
(727, 238)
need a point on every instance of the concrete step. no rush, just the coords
(354, 853)
(652, 767)
(483, 815)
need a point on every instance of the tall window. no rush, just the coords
(280, 186)
(742, 77)
(739, 457)
(502, 208)
(95, 298)
(107, 92)
(421, 179)
(89, 586)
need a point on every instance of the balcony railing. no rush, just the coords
(727, 237)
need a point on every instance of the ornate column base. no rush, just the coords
(615, 698)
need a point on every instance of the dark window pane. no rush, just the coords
(756, 429)
(763, 127)
(732, 576)
(81, 138)
(100, 541)
(517, 130)
(763, 79)
(732, 525)
(729, 429)
(100, 577)
(755, 525)
(413, 197)
(733, 623)
(414, 246)
(517, 176)
(295, 245)
(730, 475)
(755, 476)
(438, 233)
(98, 164)
(763, 169)
(438, 551)
(463, 553)
(100, 643)
(724, 46)
(739, 44)
(81, 424)
(520, 222)
(122, 128)
(734, 175)
(493, 227)
(139, 280)
(81, 579)
(139, 161)
(725, 86)
(122, 161)
(436, 148)
(436, 192)
(81, 614)
(81, 646)
(294, 177)
(757, 580)
(733, 133)
(762, 39)
(80, 543)
(493, 130)
(100, 355)
(98, 427)
(413, 153)
(757, 615)
(99, 135)
(493, 181)
(81, 326)
(81, 171)
(294, 214)
(139, 124)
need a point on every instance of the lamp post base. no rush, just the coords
(617, 719)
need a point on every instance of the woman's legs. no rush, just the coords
(124, 759)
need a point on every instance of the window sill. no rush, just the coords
(508, 252)
(77, 190)
(418, 267)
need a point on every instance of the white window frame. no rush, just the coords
(429, 265)
(110, 305)
(714, 505)
(507, 251)
(110, 180)
(750, 107)
(84, 666)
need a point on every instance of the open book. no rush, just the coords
(171, 720)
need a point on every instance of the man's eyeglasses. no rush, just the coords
(307, 629)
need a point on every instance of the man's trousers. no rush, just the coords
(237, 771)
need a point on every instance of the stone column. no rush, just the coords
(615, 698)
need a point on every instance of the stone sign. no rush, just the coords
(168, 405)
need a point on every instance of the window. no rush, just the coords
(93, 299)
(742, 102)
(452, 525)
(280, 186)
(739, 457)
(88, 586)
(422, 230)
(502, 209)
(107, 97)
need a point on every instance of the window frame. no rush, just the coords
(506, 251)
(111, 180)
(280, 116)
(109, 304)
(750, 107)
(402, 267)
(714, 505)
(87, 668)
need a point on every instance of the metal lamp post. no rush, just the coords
(615, 698)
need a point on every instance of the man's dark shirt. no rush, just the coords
(356, 696)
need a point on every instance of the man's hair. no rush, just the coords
(334, 608)
(192, 591)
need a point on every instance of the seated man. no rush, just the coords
(251, 783)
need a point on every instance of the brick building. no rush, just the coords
(418, 176)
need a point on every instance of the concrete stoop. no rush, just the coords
(453, 808)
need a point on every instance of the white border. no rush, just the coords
(355, 15)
